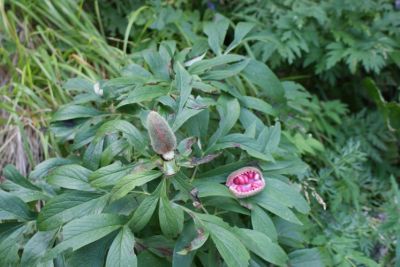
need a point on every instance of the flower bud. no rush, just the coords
(163, 140)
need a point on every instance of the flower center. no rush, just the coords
(246, 183)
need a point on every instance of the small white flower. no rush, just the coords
(97, 89)
(194, 60)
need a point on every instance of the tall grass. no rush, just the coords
(43, 43)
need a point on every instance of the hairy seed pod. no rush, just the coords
(162, 137)
(245, 182)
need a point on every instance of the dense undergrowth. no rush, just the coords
(78, 79)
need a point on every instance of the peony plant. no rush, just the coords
(183, 160)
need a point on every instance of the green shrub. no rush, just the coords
(114, 201)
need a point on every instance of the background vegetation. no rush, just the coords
(337, 107)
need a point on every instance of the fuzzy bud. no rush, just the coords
(162, 137)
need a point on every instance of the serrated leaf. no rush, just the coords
(68, 206)
(121, 253)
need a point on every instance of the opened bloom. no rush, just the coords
(245, 182)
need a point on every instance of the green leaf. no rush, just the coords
(71, 112)
(207, 189)
(14, 207)
(129, 182)
(216, 32)
(309, 257)
(259, 74)
(9, 247)
(206, 64)
(71, 176)
(183, 84)
(374, 92)
(393, 115)
(275, 206)
(259, 105)
(132, 134)
(91, 157)
(157, 64)
(68, 206)
(262, 246)
(78, 84)
(226, 71)
(286, 194)
(83, 231)
(241, 30)
(170, 217)
(36, 247)
(274, 138)
(183, 116)
(109, 175)
(229, 246)
(93, 254)
(290, 234)
(143, 213)
(114, 149)
(144, 93)
(43, 168)
(194, 243)
(11, 174)
(229, 110)
(290, 167)
(262, 222)
(184, 250)
(121, 253)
